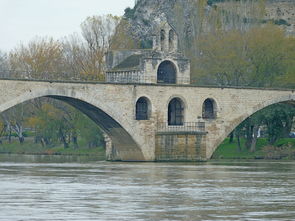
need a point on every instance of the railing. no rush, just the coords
(5, 74)
(127, 77)
(139, 77)
(185, 127)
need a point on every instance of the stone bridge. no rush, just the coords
(153, 122)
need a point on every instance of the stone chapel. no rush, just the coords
(162, 64)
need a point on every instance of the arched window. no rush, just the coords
(142, 109)
(166, 73)
(176, 112)
(163, 37)
(171, 40)
(209, 109)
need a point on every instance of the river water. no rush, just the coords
(35, 190)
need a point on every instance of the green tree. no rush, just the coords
(276, 121)
(258, 57)
(279, 119)
(288, 79)
(268, 49)
(223, 59)
(2, 130)
(121, 38)
(55, 122)
(89, 131)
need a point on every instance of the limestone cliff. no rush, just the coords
(192, 17)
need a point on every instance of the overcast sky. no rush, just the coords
(22, 20)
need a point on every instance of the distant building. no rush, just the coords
(161, 64)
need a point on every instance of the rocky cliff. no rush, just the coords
(282, 12)
(193, 17)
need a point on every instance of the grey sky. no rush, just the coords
(22, 20)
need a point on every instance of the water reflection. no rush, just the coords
(147, 191)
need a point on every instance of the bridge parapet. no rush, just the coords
(49, 76)
(130, 76)
(136, 76)
(114, 77)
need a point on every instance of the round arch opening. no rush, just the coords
(209, 109)
(239, 129)
(143, 109)
(166, 73)
(176, 112)
(124, 147)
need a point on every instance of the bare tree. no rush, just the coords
(41, 58)
(97, 32)
(85, 57)
(3, 64)
(14, 119)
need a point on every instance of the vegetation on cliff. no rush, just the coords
(218, 22)
(260, 57)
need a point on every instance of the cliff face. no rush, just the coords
(193, 17)
(279, 12)
(283, 12)
(147, 14)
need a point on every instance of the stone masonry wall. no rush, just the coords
(180, 147)
(113, 105)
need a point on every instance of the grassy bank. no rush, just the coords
(283, 149)
(30, 147)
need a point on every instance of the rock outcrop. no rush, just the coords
(193, 17)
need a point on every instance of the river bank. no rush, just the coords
(31, 148)
(284, 149)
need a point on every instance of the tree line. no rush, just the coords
(51, 123)
(259, 57)
(76, 57)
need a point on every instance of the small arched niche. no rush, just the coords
(166, 73)
(163, 37)
(143, 109)
(171, 40)
(209, 109)
(176, 112)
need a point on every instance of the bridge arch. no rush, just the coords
(231, 125)
(123, 144)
